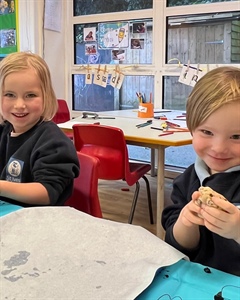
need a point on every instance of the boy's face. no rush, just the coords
(22, 100)
(217, 140)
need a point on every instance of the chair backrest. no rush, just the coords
(85, 192)
(107, 144)
(63, 113)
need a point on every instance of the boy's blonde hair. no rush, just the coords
(20, 61)
(215, 89)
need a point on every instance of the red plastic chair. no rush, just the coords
(85, 191)
(109, 146)
(63, 115)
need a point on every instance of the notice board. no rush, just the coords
(8, 27)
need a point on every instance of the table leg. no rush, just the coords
(153, 169)
(160, 190)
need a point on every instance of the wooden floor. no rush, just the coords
(116, 201)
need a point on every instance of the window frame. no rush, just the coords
(159, 13)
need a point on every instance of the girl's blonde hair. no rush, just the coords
(20, 61)
(215, 89)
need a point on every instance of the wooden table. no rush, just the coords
(145, 137)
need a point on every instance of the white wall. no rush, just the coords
(48, 44)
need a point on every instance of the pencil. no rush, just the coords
(166, 133)
(172, 124)
(156, 128)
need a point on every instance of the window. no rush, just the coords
(192, 2)
(216, 35)
(204, 33)
(92, 97)
(89, 7)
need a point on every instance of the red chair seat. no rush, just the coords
(62, 115)
(109, 146)
(85, 191)
(111, 159)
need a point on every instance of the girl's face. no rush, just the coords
(22, 100)
(217, 140)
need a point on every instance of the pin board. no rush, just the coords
(8, 27)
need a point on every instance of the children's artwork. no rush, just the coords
(139, 27)
(113, 35)
(137, 43)
(89, 34)
(118, 55)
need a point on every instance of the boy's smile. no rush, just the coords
(217, 140)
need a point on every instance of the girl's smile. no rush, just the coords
(22, 103)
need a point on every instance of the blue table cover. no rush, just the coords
(185, 280)
(6, 208)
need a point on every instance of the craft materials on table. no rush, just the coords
(169, 128)
(149, 122)
(142, 97)
(165, 133)
(91, 115)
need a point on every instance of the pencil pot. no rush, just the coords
(145, 110)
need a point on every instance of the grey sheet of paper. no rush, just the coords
(61, 253)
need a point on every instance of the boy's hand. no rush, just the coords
(189, 215)
(225, 222)
(186, 229)
(206, 195)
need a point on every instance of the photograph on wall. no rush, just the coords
(139, 27)
(7, 7)
(118, 55)
(90, 49)
(89, 34)
(7, 38)
(137, 43)
(113, 35)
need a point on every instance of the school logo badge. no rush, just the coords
(14, 170)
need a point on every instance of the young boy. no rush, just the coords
(209, 235)
(38, 162)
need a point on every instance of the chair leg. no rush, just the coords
(149, 199)
(134, 203)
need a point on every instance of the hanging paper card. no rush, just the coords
(113, 35)
(196, 76)
(114, 79)
(185, 76)
(88, 78)
(120, 81)
(104, 77)
(97, 77)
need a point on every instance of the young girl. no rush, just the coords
(38, 162)
(206, 234)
